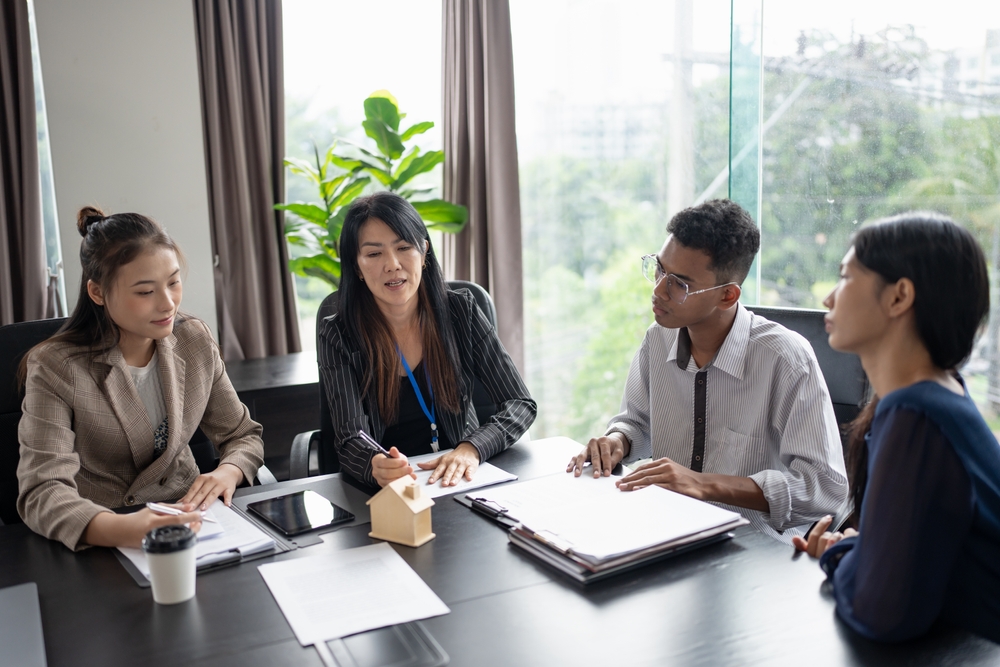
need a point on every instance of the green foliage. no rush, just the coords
(339, 176)
(626, 313)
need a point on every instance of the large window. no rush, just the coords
(622, 119)
(816, 117)
(50, 223)
(336, 54)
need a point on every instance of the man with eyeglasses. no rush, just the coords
(732, 408)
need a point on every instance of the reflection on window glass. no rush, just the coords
(336, 53)
(622, 119)
(894, 109)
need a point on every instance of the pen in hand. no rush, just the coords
(160, 508)
(370, 441)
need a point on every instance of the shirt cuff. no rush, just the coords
(637, 445)
(778, 496)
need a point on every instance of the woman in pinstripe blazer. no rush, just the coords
(400, 358)
(112, 400)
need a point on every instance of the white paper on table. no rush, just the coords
(237, 535)
(486, 475)
(334, 595)
(597, 520)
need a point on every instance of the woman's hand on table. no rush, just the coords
(820, 539)
(221, 482)
(386, 469)
(450, 468)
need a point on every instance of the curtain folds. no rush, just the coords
(480, 169)
(242, 91)
(24, 276)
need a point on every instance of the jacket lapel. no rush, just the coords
(128, 407)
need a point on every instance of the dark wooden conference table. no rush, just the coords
(746, 601)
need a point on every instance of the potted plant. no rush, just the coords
(343, 174)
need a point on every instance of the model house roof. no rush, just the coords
(409, 492)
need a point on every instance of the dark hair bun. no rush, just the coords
(87, 216)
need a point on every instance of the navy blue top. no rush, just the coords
(928, 544)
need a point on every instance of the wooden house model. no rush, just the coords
(401, 513)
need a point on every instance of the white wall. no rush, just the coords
(124, 111)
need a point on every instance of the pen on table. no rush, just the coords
(173, 511)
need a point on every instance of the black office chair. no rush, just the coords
(15, 341)
(845, 378)
(323, 440)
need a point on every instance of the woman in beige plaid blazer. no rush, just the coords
(87, 442)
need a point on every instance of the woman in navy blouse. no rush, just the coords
(913, 292)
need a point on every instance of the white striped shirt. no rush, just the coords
(768, 417)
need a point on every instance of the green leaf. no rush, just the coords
(407, 159)
(441, 211)
(385, 138)
(335, 227)
(320, 266)
(309, 212)
(384, 177)
(446, 227)
(410, 192)
(419, 165)
(378, 107)
(349, 164)
(302, 168)
(350, 192)
(329, 186)
(364, 151)
(416, 129)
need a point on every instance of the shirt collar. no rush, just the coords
(731, 357)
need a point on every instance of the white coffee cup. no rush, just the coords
(171, 556)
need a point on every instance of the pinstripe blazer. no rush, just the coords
(87, 444)
(342, 367)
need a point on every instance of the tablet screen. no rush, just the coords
(300, 512)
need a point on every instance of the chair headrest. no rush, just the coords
(15, 341)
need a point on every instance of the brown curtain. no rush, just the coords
(24, 275)
(243, 109)
(480, 169)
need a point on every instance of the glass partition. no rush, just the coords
(866, 109)
(816, 117)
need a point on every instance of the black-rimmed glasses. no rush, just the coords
(677, 289)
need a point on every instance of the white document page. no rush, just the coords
(343, 593)
(234, 534)
(486, 475)
(597, 520)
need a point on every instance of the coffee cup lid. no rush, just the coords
(168, 539)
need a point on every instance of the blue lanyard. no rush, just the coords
(420, 398)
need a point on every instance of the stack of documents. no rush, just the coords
(588, 529)
(230, 540)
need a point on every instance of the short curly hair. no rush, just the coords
(723, 229)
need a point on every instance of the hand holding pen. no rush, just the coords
(160, 508)
(387, 465)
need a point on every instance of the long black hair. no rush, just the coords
(365, 322)
(109, 243)
(950, 305)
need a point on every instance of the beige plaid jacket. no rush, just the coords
(87, 444)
